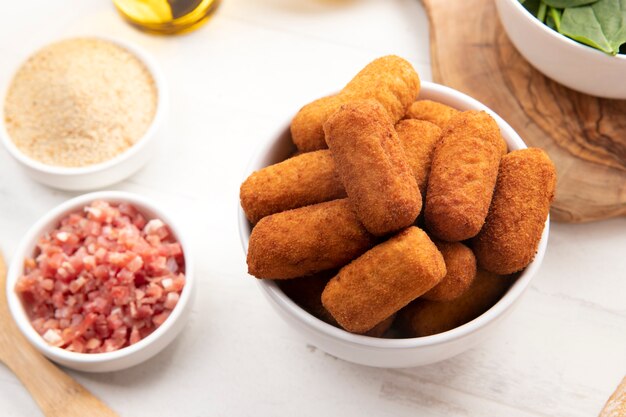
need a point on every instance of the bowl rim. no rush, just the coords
(274, 293)
(40, 226)
(149, 135)
(568, 41)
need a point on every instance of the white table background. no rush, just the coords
(233, 84)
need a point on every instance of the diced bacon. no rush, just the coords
(167, 283)
(119, 259)
(139, 221)
(120, 295)
(170, 249)
(29, 265)
(153, 240)
(93, 343)
(170, 300)
(139, 294)
(126, 277)
(172, 265)
(154, 291)
(153, 226)
(177, 283)
(51, 324)
(105, 278)
(77, 345)
(90, 262)
(159, 265)
(94, 213)
(134, 336)
(101, 254)
(47, 284)
(101, 272)
(159, 319)
(38, 324)
(53, 337)
(135, 264)
(77, 284)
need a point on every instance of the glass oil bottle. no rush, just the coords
(166, 16)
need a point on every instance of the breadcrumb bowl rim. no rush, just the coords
(127, 356)
(278, 148)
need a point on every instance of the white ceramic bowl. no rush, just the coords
(392, 353)
(125, 357)
(566, 61)
(108, 172)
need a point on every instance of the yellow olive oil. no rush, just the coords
(166, 16)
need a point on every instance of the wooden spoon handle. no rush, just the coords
(57, 394)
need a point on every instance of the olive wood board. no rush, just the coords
(585, 136)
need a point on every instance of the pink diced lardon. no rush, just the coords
(104, 279)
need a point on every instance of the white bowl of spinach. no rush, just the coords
(578, 43)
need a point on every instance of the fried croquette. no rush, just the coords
(306, 240)
(424, 318)
(383, 280)
(302, 180)
(431, 111)
(521, 202)
(462, 176)
(311, 177)
(373, 168)
(418, 138)
(461, 271)
(390, 80)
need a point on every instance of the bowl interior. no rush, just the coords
(580, 47)
(281, 146)
(159, 115)
(51, 220)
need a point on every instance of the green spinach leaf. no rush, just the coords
(602, 25)
(612, 17)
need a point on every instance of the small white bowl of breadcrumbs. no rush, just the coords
(82, 113)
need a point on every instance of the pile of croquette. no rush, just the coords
(396, 217)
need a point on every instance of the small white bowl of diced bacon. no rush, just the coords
(102, 282)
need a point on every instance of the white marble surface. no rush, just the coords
(233, 83)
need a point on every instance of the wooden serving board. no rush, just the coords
(585, 136)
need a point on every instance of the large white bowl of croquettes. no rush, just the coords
(397, 222)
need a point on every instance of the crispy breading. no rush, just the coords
(418, 138)
(462, 176)
(383, 280)
(461, 271)
(424, 318)
(390, 80)
(521, 202)
(373, 168)
(431, 111)
(306, 240)
(302, 180)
